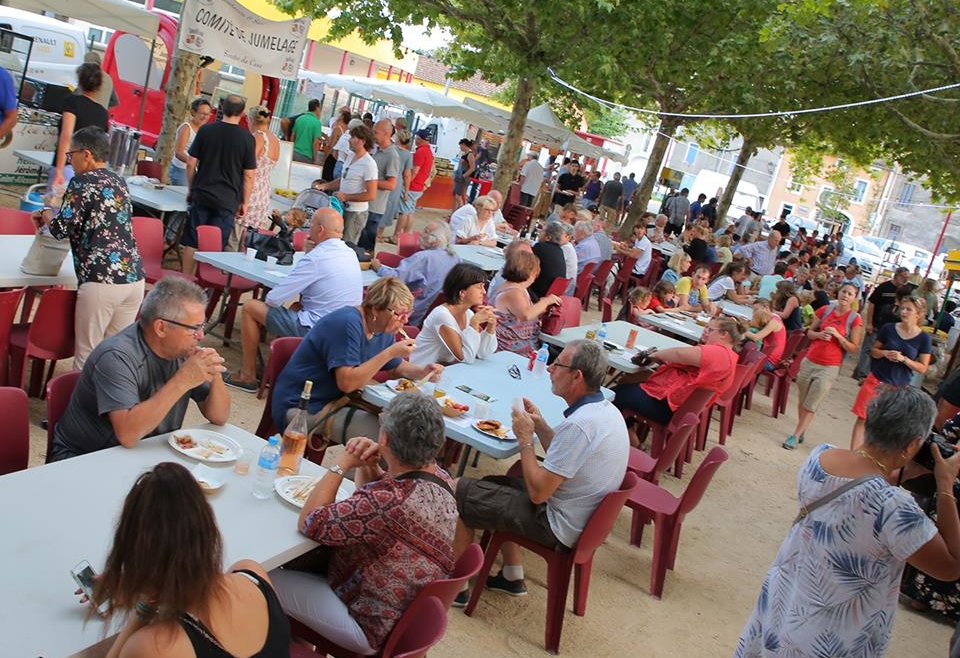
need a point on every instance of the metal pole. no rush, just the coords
(939, 243)
(146, 82)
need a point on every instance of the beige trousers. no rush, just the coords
(103, 309)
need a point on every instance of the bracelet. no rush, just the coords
(947, 495)
(145, 611)
(524, 446)
(336, 469)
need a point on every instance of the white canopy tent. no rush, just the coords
(114, 14)
(416, 97)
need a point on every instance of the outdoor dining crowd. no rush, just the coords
(409, 525)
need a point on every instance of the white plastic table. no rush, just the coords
(14, 248)
(488, 259)
(42, 158)
(736, 310)
(489, 376)
(677, 324)
(617, 333)
(56, 515)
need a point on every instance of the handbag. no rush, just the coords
(552, 321)
(45, 256)
(280, 246)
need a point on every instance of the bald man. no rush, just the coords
(326, 278)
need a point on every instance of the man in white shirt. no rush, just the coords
(531, 178)
(357, 185)
(473, 222)
(638, 247)
(325, 279)
(762, 256)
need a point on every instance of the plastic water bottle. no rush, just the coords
(267, 467)
(540, 365)
(602, 333)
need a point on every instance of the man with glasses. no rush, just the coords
(138, 382)
(586, 458)
(325, 279)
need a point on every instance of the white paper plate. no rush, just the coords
(509, 437)
(211, 447)
(210, 479)
(287, 486)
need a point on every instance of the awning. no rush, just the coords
(413, 96)
(113, 14)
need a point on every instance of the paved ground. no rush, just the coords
(726, 546)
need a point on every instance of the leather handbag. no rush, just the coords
(45, 256)
(266, 244)
(552, 321)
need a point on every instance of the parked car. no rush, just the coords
(868, 256)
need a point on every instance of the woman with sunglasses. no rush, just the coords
(341, 354)
(200, 111)
(900, 350)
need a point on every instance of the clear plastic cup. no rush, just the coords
(271, 261)
(481, 410)
(242, 465)
(250, 255)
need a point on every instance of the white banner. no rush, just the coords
(225, 30)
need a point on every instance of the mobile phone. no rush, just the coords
(84, 576)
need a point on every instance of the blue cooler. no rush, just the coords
(32, 199)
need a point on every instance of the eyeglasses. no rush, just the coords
(197, 329)
(514, 372)
(557, 364)
(70, 154)
(400, 315)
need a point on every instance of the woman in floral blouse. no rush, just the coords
(389, 539)
(96, 216)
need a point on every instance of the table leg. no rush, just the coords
(464, 458)
(224, 303)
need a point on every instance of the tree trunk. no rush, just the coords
(179, 93)
(651, 174)
(747, 150)
(510, 149)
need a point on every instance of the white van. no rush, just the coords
(58, 47)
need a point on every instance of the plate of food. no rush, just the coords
(204, 445)
(402, 385)
(208, 478)
(452, 408)
(295, 489)
(495, 429)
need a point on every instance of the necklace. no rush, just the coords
(864, 453)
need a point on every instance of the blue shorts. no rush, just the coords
(177, 175)
(199, 215)
(410, 205)
(282, 321)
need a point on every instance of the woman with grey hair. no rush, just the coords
(389, 539)
(570, 259)
(553, 260)
(473, 223)
(834, 582)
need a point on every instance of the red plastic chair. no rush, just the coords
(570, 310)
(9, 301)
(422, 625)
(15, 430)
(16, 222)
(437, 301)
(651, 503)
(150, 168)
(607, 314)
(281, 349)
(59, 392)
(50, 337)
(406, 639)
(794, 343)
(408, 244)
(726, 403)
(621, 282)
(785, 374)
(148, 234)
(388, 258)
(560, 564)
(584, 279)
(215, 281)
(599, 281)
(660, 434)
(679, 432)
(558, 287)
(300, 239)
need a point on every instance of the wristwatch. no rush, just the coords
(336, 469)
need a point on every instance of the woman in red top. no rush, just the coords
(833, 333)
(710, 365)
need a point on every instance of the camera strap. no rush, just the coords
(805, 510)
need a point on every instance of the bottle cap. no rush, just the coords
(274, 440)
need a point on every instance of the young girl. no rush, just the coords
(638, 304)
(767, 327)
(664, 297)
(724, 255)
